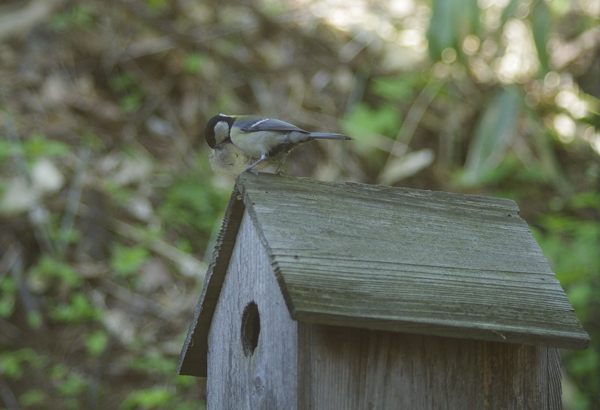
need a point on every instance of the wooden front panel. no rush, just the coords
(256, 371)
(347, 368)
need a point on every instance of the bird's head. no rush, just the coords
(217, 130)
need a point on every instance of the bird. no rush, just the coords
(249, 141)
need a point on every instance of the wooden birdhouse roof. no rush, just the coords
(394, 259)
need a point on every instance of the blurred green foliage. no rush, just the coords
(366, 121)
(492, 134)
(571, 243)
(77, 309)
(8, 290)
(190, 201)
(481, 86)
(127, 260)
(129, 93)
(35, 147)
(97, 342)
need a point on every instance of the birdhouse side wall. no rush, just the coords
(240, 377)
(350, 368)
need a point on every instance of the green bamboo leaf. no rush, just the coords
(540, 21)
(509, 10)
(494, 131)
(451, 22)
(470, 22)
(442, 28)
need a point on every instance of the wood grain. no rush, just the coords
(266, 379)
(396, 259)
(193, 358)
(409, 260)
(349, 368)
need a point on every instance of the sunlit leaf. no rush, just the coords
(560, 7)
(494, 131)
(509, 10)
(406, 166)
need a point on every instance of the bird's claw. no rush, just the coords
(250, 170)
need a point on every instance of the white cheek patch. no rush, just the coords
(221, 132)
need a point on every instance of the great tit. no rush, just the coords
(238, 140)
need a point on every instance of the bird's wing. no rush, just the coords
(267, 124)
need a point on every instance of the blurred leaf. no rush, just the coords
(8, 290)
(194, 202)
(442, 28)
(80, 16)
(581, 295)
(131, 102)
(127, 260)
(49, 267)
(154, 363)
(122, 82)
(494, 130)
(593, 120)
(571, 245)
(7, 305)
(147, 399)
(193, 63)
(78, 310)
(509, 10)
(560, 7)
(59, 371)
(38, 145)
(73, 385)
(450, 23)
(33, 398)
(547, 162)
(8, 149)
(408, 165)
(157, 5)
(540, 21)
(12, 362)
(585, 363)
(12, 367)
(35, 320)
(395, 88)
(587, 199)
(384, 120)
(97, 342)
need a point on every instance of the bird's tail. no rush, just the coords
(327, 136)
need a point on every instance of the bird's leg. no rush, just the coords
(249, 169)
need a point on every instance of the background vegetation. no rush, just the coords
(108, 207)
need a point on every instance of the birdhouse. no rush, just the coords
(350, 296)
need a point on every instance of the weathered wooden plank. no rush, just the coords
(349, 368)
(554, 379)
(193, 360)
(266, 378)
(410, 261)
